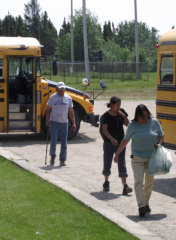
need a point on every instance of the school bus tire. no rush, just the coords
(72, 134)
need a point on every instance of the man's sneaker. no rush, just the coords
(148, 209)
(142, 211)
(106, 186)
(62, 163)
(52, 160)
(126, 189)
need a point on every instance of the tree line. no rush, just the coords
(115, 43)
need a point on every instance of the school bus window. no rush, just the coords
(166, 70)
(1, 68)
(14, 66)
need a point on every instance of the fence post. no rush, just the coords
(112, 71)
(50, 69)
(77, 72)
(64, 73)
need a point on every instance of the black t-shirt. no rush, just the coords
(115, 125)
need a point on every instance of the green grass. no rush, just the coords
(33, 209)
(125, 89)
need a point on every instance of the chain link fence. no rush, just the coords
(98, 70)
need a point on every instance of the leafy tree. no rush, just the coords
(125, 37)
(94, 35)
(111, 52)
(125, 54)
(63, 50)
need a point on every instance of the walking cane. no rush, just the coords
(47, 146)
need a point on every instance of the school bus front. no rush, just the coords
(20, 84)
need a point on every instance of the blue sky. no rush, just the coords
(155, 13)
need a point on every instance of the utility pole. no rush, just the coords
(86, 58)
(136, 40)
(72, 42)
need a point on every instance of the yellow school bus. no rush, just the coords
(166, 87)
(24, 93)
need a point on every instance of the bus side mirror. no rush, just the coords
(55, 67)
(85, 82)
(103, 84)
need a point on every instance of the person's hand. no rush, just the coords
(116, 158)
(47, 123)
(156, 145)
(74, 127)
(123, 115)
(114, 141)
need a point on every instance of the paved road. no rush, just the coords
(83, 174)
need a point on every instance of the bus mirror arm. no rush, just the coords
(103, 87)
(99, 93)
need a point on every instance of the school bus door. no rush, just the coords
(37, 95)
(24, 94)
(3, 97)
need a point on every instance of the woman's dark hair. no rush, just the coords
(113, 101)
(139, 112)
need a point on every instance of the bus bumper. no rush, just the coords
(93, 119)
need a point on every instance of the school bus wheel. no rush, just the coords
(72, 134)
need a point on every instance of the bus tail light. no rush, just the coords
(156, 46)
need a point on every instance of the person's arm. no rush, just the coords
(160, 140)
(121, 147)
(72, 117)
(161, 137)
(106, 133)
(48, 111)
(126, 120)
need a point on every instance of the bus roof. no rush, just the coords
(169, 38)
(20, 46)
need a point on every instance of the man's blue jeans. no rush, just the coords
(59, 130)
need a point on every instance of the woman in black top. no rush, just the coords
(113, 133)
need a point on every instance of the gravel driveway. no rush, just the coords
(84, 167)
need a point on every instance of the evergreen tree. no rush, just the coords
(0, 27)
(48, 36)
(66, 28)
(9, 26)
(105, 32)
(32, 18)
(20, 27)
